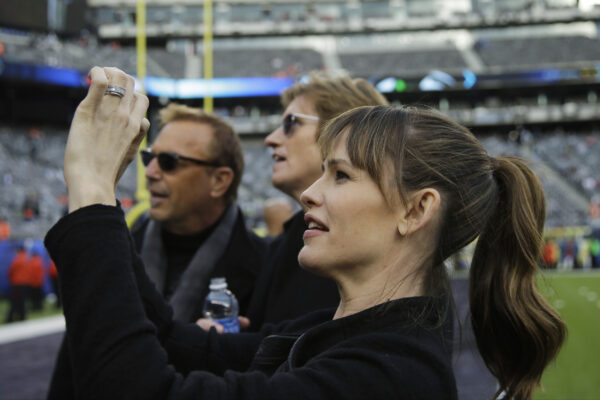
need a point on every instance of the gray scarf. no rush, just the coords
(193, 285)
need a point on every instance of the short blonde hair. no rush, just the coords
(333, 95)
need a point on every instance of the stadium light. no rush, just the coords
(386, 85)
(469, 79)
(400, 85)
(436, 80)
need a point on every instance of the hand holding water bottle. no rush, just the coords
(206, 324)
(221, 309)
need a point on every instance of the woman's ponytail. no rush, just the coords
(517, 331)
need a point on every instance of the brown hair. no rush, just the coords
(498, 200)
(225, 146)
(332, 95)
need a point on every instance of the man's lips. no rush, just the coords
(156, 197)
(157, 194)
(278, 158)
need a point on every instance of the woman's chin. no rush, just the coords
(310, 262)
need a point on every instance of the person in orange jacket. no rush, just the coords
(19, 277)
(550, 254)
(4, 229)
(36, 283)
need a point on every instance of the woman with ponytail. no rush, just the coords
(402, 189)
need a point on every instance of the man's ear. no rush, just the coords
(422, 206)
(221, 179)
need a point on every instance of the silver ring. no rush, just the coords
(115, 90)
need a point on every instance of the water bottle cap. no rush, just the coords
(217, 283)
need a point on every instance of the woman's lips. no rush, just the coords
(315, 226)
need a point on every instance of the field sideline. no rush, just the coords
(576, 373)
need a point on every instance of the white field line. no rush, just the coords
(29, 329)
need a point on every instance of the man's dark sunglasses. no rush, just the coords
(290, 120)
(168, 161)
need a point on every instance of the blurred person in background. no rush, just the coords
(194, 229)
(569, 251)
(276, 211)
(595, 252)
(31, 205)
(36, 283)
(5, 230)
(550, 254)
(35, 142)
(19, 276)
(583, 253)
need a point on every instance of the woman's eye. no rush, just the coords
(340, 175)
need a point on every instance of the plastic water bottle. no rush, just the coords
(221, 306)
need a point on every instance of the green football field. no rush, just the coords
(576, 373)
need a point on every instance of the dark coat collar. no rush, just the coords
(289, 350)
(391, 317)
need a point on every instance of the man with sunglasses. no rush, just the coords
(194, 230)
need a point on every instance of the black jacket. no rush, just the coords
(284, 290)
(239, 264)
(124, 344)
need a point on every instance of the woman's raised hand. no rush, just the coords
(106, 131)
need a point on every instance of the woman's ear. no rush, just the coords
(421, 208)
(403, 224)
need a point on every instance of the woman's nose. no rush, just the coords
(311, 197)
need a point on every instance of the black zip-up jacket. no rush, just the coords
(123, 342)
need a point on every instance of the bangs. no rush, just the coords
(374, 142)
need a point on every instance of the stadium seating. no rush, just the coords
(563, 208)
(388, 63)
(485, 53)
(265, 62)
(575, 157)
(520, 52)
